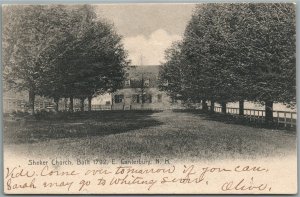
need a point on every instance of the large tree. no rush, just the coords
(208, 46)
(58, 79)
(102, 62)
(82, 56)
(97, 65)
(268, 33)
(31, 33)
(238, 52)
(173, 74)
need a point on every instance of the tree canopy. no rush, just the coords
(61, 51)
(234, 52)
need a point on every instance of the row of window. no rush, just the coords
(138, 98)
(129, 81)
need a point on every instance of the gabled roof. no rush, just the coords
(150, 69)
(149, 72)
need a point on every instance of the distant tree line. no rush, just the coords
(235, 52)
(61, 51)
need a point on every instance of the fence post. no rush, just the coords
(250, 115)
(284, 119)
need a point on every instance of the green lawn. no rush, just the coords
(131, 134)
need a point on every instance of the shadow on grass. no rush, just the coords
(75, 125)
(238, 120)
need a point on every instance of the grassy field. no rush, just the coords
(132, 134)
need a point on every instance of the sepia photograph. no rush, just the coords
(149, 98)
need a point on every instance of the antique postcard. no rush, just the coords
(147, 98)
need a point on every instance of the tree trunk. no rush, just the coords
(82, 104)
(241, 107)
(90, 103)
(223, 104)
(212, 106)
(71, 104)
(31, 101)
(269, 111)
(204, 105)
(56, 100)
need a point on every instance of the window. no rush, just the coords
(136, 98)
(159, 98)
(127, 82)
(148, 98)
(119, 98)
(146, 82)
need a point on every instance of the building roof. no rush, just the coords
(153, 69)
(149, 72)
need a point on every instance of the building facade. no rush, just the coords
(141, 90)
(14, 101)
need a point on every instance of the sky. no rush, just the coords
(147, 29)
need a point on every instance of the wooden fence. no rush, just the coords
(101, 107)
(129, 107)
(285, 118)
